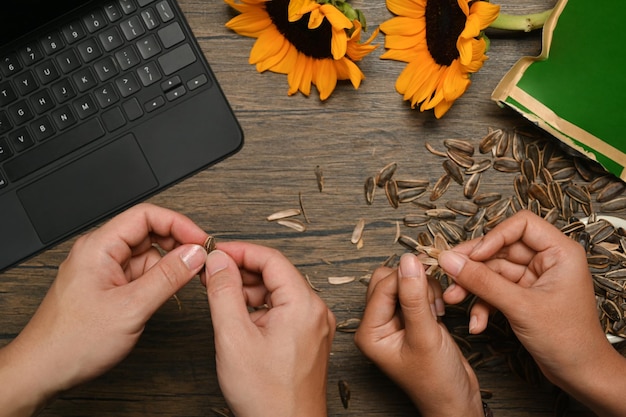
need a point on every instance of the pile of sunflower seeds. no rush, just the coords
(553, 181)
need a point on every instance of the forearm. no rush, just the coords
(599, 383)
(22, 393)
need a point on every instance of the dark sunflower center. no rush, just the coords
(444, 23)
(311, 42)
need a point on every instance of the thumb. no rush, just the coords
(417, 307)
(480, 280)
(224, 286)
(168, 276)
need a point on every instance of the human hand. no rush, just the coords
(272, 361)
(411, 346)
(112, 281)
(539, 279)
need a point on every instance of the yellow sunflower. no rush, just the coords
(442, 43)
(310, 42)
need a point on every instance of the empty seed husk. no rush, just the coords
(357, 233)
(341, 280)
(344, 393)
(209, 244)
(294, 224)
(283, 214)
(385, 174)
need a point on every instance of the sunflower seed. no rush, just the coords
(391, 191)
(520, 186)
(584, 169)
(357, 233)
(416, 220)
(349, 325)
(409, 194)
(564, 174)
(599, 183)
(486, 199)
(518, 147)
(344, 393)
(488, 142)
(408, 242)
(474, 222)
(471, 185)
(319, 175)
(460, 158)
(506, 164)
(341, 280)
(385, 174)
(441, 186)
(412, 183)
(616, 204)
(209, 244)
(369, 188)
(502, 146)
(540, 193)
(454, 171)
(497, 209)
(293, 224)
(441, 214)
(460, 145)
(528, 169)
(283, 214)
(610, 191)
(463, 207)
(479, 166)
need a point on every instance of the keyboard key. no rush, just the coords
(177, 58)
(68, 61)
(127, 84)
(46, 72)
(84, 79)
(143, 3)
(20, 112)
(155, 103)
(73, 32)
(149, 73)
(149, 19)
(113, 119)
(89, 50)
(5, 123)
(41, 101)
(63, 90)
(63, 117)
(94, 21)
(168, 84)
(21, 139)
(111, 39)
(171, 34)
(132, 109)
(127, 57)
(7, 93)
(3, 181)
(9, 65)
(106, 96)
(25, 82)
(106, 68)
(196, 82)
(52, 43)
(50, 151)
(175, 93)
(127, 6)
(42, 129)
(31, 54)
(112, 12)
(148, 47)
(85, 106)
(5, 151)
(165, 11)
(132, 28)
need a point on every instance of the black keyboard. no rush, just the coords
(100, 72)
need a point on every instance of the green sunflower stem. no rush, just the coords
(524, 23)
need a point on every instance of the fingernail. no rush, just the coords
(452, 262)
(193, 257)
(216, 262)
(472, 324)
(440, 307)
(409, 266)
(450, 288)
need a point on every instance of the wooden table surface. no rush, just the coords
(349, 137)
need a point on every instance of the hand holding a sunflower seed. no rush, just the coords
(400, 332)
(273, 334)
(539, 279)
(111, 283)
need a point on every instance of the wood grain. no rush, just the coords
(350, 136)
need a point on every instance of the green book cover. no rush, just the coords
(576, 88)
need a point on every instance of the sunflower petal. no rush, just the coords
(408, 8)
(339, 43)
(326, 77)
(267, 45)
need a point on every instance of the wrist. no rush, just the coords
(23, 391)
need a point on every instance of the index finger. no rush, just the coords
(138, 227)
(275, 269)
(535, 232)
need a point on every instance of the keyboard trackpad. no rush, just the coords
(107, 179)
